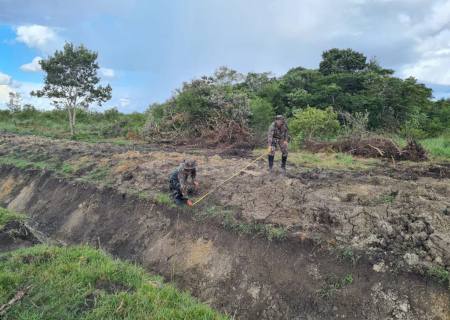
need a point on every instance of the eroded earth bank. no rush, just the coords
(317, 244)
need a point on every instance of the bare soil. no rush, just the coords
(385, 227)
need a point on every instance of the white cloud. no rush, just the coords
(4, 93)
(432, 37)
(107, 72)
(124, 102)
(38, 37)
(404, 18)
(4, 79)
(33, 66)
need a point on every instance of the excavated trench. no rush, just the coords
(244, 276)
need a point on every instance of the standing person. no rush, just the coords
(278, 136)
(182, 182)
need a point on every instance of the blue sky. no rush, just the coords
(148, 48)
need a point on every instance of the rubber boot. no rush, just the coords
(270, 157)
(283, 164)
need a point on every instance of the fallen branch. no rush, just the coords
(17, 297)
(378, 149)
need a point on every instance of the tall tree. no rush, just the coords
(15, 102)
(71, 81)
(338, 60)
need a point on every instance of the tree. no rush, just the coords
(314, 123)
(338, 60)
(15, 102)
(71, 81)
(262, 114)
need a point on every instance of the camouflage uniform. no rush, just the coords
(182, 181)
(276, 137)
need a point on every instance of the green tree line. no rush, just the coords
(346, 81)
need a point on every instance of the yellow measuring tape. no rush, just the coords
(225, 181)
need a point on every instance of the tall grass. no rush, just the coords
(438, 147)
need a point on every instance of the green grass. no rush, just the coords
(98, 174)
(164, 199)
(440, 274)
(83, 283)
(334, 283)
(90, 127)
(438, 148)
(228, 221)
(325, 160)
(7, 215)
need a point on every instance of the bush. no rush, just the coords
(262, 115)
(314, 123)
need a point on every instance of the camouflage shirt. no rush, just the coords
(183, 179)
(280, 133)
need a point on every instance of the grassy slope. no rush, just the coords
(80, 282)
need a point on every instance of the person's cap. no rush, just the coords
(189, 164)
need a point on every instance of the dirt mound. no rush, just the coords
(374, 147)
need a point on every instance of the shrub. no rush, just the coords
(314, 123)
(262, 114)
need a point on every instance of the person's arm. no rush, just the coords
(183, 185)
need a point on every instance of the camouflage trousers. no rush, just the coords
(278, 144)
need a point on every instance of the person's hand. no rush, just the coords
(285, 142)
(189, 203)
(196, 183)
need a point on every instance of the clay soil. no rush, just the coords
(387, 227)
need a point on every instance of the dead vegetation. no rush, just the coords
(370, 147)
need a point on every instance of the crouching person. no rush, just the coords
(183, 183)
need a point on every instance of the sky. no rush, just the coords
(147, 48)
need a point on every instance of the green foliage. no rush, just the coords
(7, 216)
(229, 107)
(334, 283)
(83, 283)
(92, 126)
(437, 117)
(441, 274)
(209, 107)
(228, 221)
(438, 147)
(337, 61)
(314, 123)
(262, 114)
(71, 81)
(347, 254)
(163, 199)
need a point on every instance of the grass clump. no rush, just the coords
(228, 221)
(7, 216)
(83, 283)
(440, 274)
(438, 148)
(164, 199)
(334, 283)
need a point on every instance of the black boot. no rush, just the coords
(283, 163)
(270, 162)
